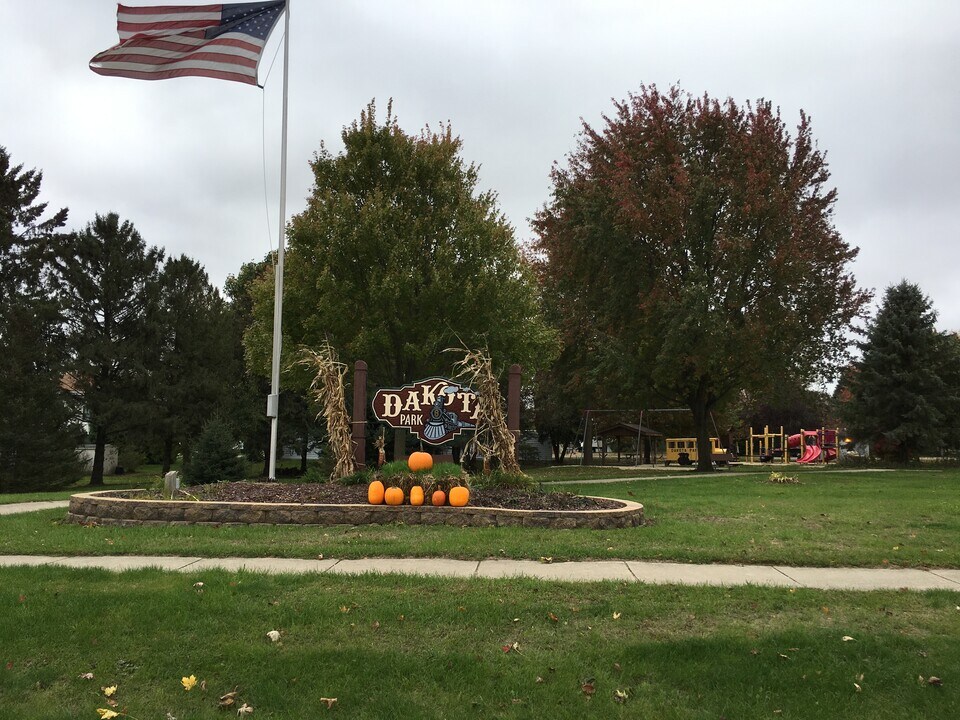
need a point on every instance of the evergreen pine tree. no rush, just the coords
(38, 435)
(214, 457)
(107, 280)
(904, 390)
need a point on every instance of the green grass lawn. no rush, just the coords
(905, 518)
(392, 647)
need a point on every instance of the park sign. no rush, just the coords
(435, 410)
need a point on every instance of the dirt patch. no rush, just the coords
(338, 494)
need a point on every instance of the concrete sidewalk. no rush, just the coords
(13, 508)
(658, 573)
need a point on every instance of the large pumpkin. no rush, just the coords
(416, 495)
(459, 496)
(420, 461)
(393, 496)
(439, 498)
(375, 493)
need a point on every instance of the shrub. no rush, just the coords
(215, 456)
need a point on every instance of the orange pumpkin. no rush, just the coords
(420, 461)
(393, 496)
(459, 496)
(416, 495)
(375, 493)
(439, 498)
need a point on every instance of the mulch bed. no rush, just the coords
(339, 494)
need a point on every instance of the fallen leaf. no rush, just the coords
(921, 653)
(553, 617)
(588, 687)
(23, 598)
(620, 696)
(616, 616)
(329, 701)
(274, 635)
(320, 556)
(375, 625)
(616, 666)
(857, 687)
(934, 680)
(516, 648)
(546, 560)
(244, 710)
(505, 648)
(188, 682)
(107, 713)
(203, 685)
(540, 680)
(109, 691)
(344, 609)
(198, 585)
(846, 638)
(83, 676)
(401, 618)
(785, 657)
(111, 702)
(171, 716)
(754, 652)
(228, 699)
(516, 620)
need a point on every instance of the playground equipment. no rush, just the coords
(683, 451)
(806, 447)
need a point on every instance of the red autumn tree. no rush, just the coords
(691, 247)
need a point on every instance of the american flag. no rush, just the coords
(217, 41)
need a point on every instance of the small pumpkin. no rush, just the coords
(393, 496)
(420, 461)
(375, 493)
(439, 498)
(416, 495)
(459, 496)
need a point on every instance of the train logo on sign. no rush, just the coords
(435, 410)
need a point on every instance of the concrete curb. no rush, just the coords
(654, 573)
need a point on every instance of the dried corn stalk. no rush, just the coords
(492, 436)
(327, 389)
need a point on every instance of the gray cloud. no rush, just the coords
(182, 159)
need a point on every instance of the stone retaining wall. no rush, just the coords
(103, 508)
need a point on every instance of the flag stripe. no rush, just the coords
(168, 74)
(170, 27)
(218, 41)
(162, 49)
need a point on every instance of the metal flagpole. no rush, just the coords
(273, 400)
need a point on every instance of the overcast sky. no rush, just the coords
(183, 159)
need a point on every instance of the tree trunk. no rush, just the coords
(557, 459)
(304, 449)
(588, 441)
(167, 461)
(701, 422)
(96, 475)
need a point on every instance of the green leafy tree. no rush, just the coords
(193, 365)
(905, 390)
(107, 282)
(215, 457)
(691, 248)
(38, 435)
(398, 257)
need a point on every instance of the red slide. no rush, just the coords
(811, 454)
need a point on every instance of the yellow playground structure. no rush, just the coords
(683, 451)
